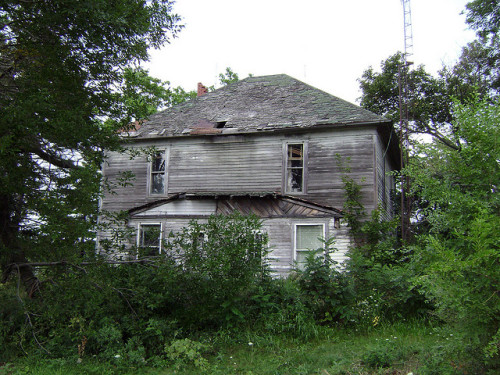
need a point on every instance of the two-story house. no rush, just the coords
(265, 145)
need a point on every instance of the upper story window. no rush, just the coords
(158, 173)
(295, 168)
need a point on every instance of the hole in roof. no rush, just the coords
(220, 124)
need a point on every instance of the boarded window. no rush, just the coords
(158, 173)
(308, 237)
(295, 168)
(149, 239)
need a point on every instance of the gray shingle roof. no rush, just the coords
(256, 104)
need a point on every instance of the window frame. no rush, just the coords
(295, 249)
(139, 236)
(256, 234)
(286, 169)
(165, 153)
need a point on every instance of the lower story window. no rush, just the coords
(258, 246)
(149, 239)
(308, 237)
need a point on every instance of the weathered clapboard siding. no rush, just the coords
(279, 230)
(253, 164)
(355, 151)
(385, 181)
(249, 165)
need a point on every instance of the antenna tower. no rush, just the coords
(404, 103)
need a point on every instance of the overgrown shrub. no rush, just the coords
(129, 312)
(325, 288)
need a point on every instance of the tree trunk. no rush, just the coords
(13, 251)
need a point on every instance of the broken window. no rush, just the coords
(295, 168)
(149, 239)
(158, 173)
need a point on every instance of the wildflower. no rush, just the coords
(250, 343)
(117, 356)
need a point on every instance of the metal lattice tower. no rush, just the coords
(408, 32)
(404, 105)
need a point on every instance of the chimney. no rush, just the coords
(201, 89)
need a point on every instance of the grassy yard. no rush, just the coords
(401, 348)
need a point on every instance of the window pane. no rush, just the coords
(150, 236)
(295, 168)
(158, 163)
(301, 258)
(295, 163)
(157, 183)
(295, 180)
(308, 237)
(295, 151)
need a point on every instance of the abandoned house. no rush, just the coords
(265, 145)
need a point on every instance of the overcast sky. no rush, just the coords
(325, 43)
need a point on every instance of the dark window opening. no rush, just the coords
(220, 124)
(158, 173)
(295, 168)
(149, 240)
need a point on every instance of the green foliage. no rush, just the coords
(325, 290)
(143, 95)
(228, 77)
(353, 210)
(457, 261)
(127, 313)
(381, 355)
(61, 64)
(224, 260)
(430, 103)
(484, 17)
(187, 352)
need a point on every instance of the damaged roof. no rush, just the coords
(255, 104)
(263, 204)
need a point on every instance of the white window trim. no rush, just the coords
(295, 237)
(305, 151)
(166, 154)
(138, 236)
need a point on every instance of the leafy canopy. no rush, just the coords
(61, 65)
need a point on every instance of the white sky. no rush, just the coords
(325, 43)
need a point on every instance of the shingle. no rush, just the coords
(258, 104)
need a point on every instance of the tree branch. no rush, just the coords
(64, 263)
(53, 159)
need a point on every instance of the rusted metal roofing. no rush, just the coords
(256, 104)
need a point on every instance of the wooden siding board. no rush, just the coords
(250, 163)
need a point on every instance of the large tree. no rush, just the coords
(477, 72)
(61, 65)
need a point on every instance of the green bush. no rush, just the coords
(127, 313)
(325, 288)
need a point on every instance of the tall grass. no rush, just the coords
(399, 348)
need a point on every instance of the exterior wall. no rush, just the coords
(249, 164)
(384, 180)
(253, 163)
(280, 232)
